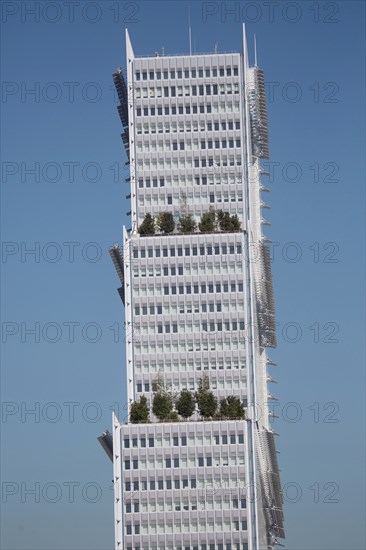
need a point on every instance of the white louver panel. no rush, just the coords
(258, 113)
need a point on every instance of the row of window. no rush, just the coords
(189, 181)
(212, 326)
(230, 343)
(228, 383)
(184, 483)
(215, 108)
(187, 126)
(202, 250)
(186, 91)
(198, 198)
(202, 288)
(219, 546)
(174, 290)
(185, 506)
(204, 269)
(183, 440)
(187, 145)
(234, 306)
(164, 74)
(160, 484)
(166, 163)
(191, 527)
(184, 327)
(189, 366)
(201, 462)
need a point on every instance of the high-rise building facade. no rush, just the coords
(198, 306)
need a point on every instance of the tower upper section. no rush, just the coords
(185, 128)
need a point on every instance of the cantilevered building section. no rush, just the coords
(198, 306)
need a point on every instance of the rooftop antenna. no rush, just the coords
(255, 51)
(216, 47)
(189, 30)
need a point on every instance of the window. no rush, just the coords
(151, 442)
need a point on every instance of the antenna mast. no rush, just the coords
(255, 51)
(189, 31)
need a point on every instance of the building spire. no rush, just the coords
(189, 30)
(255, 51)
(129, 49)
(245, 48)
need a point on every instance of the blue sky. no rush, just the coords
(71, 370)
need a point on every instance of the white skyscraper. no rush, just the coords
(198, 306)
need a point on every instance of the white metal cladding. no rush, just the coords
(182, 489)
(196, 304)
(187, 143)
(186, 302)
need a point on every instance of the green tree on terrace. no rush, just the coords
(227, 222)
(208, 222)
(139, 411)
(187, 224)
(162, 405)
(232, 408)
(165, 222)
(185, 404)
(147, 227)
(206, 401)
